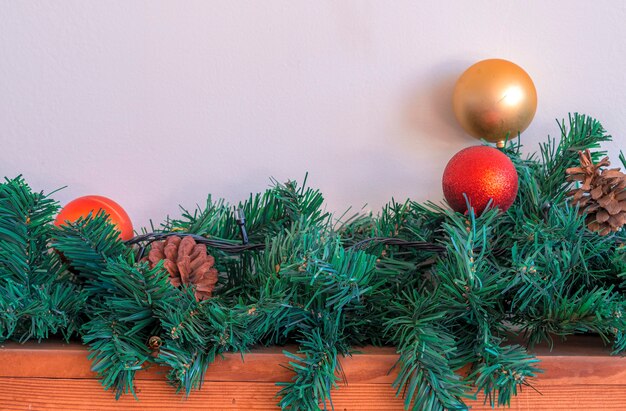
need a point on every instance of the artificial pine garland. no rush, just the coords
(449, 290)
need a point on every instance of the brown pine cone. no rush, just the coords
(187, 263)
(601, 195)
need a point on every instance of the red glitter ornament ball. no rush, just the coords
(481, 173)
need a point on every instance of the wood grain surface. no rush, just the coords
(578, 374)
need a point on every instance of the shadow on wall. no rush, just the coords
(428, 114)
(424, 136)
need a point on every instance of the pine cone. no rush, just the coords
(601, 195)
(187, 263)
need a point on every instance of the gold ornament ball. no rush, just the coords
(494, 98)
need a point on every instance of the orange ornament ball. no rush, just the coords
(82, 206)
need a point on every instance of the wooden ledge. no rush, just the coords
(578, 374)
(266, 364)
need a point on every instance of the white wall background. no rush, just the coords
(157, 103)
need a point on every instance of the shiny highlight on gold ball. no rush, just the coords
(494, 98)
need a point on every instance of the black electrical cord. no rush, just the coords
(144, 240)
(232, 247)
